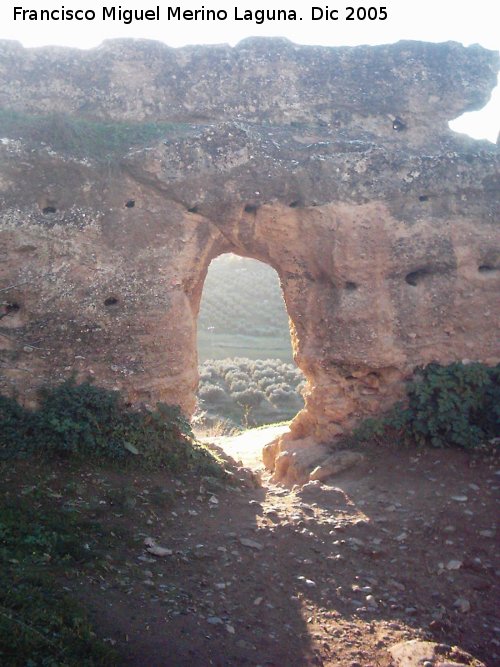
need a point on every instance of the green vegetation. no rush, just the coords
(456, 405)
(39, 624)
(83, 138)
(244, 392)
(246, 378)
(50, 535)
(91, 423)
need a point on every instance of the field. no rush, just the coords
(247, 374)
(240, 393)
(224, 346)
(242, 312)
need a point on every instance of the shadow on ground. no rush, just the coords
(403, 546)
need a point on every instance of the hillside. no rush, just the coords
(242, 312)
(247, 375)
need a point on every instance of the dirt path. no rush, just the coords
(401, 547)
(247, 447)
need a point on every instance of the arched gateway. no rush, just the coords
(334, 166)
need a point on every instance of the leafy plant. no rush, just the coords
(81, 419)
(456, 405)
(86, 421)
(17, 425)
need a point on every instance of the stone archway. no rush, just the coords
(334, 166)
(331, 304)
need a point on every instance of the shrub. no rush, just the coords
(236, 376)
(456, 405)
(212, 392)
(82, 419)
(247, 386)
(265, 373)
(206, 374)
(281, 395)
(248, 398)
(237, 386)
(17, 426)
(87, 421)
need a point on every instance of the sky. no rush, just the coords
(428, 20)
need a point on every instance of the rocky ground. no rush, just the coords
(401, 547)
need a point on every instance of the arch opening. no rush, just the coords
(247, 374)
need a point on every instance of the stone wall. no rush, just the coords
(333, 165)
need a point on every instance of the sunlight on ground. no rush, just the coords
(247, 447)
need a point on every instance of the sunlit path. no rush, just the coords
(247, 447)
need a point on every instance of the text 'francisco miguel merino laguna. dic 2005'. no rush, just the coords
(257, 16)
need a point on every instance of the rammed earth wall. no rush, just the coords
(335, 166)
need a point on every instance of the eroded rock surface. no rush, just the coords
(333, 165)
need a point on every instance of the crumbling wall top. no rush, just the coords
(259, 80)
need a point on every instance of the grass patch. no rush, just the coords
(39, 624)
(84, 138)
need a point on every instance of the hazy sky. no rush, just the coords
(475, 22)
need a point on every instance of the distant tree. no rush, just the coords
(212, 392)
(249, 392)
(249, 398)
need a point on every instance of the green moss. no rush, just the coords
(81, 137)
